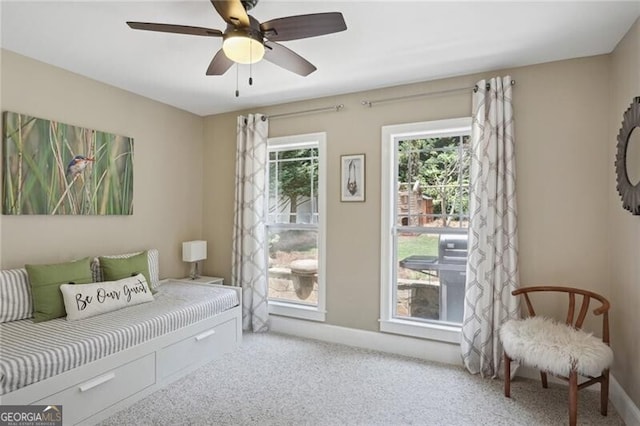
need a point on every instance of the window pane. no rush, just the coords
(293, 265)
(430, 276)
(273, 191)
(293, 186)
(432, 192)
(433, 180)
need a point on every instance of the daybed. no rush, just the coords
(96, 366)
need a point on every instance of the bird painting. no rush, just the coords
(55, 168)
(77, 165)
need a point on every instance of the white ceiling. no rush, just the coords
(387, 43)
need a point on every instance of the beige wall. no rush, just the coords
(218, 195)
(624, 228)
(167, 179)
(561, 122)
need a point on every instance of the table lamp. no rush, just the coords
(194, 251)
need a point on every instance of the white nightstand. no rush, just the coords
(202, 280)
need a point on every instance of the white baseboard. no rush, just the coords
(425, 349)
(391, 343)
(629, 411)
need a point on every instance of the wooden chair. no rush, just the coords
(561, 349)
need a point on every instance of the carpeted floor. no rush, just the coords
(280, 380)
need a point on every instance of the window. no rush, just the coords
(295, 226)
(425, 214)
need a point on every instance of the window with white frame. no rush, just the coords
(425, 214)
(296, 226)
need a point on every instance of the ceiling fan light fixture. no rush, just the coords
(242, 48)
(244, 39)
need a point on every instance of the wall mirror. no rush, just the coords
(628, 158)
(633, 157)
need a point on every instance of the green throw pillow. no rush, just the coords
(45, 283)
(114, 269)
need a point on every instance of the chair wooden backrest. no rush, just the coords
(587, 297)
(575, 322)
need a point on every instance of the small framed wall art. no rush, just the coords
(352, 178)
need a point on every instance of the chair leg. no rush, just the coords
(543, 378)
(573, 398)
(507, 376)
(604, 392)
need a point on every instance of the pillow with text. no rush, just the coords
(87, 300)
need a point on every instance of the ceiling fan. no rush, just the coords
(247, 41)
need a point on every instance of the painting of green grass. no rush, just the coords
(57, 169)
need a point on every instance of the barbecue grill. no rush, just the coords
(452, 258)
(450, 266)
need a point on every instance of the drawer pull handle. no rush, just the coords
(205, 335)
(96, 382)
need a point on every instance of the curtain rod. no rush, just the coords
(369, 103)
(335, 108)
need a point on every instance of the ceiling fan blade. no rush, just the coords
(232, 11)
(219, 64)
(303, 26)
(177, 29)
(287, 59)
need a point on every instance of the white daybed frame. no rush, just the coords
(92, 392)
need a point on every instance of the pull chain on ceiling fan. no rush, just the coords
(247, 41)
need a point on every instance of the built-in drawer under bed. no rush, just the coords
(31, 352)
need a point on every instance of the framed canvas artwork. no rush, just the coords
(51, 168)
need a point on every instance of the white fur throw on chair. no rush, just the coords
(554, 347)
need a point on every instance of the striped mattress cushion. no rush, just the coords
(31, 352)
(15, 295)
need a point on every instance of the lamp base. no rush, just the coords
(194, 275)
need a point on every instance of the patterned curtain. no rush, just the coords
(492, 268)
(249, 257)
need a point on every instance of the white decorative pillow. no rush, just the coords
(15, 295)
(154, 266)
(87, 300)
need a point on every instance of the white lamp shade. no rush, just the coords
(193, 251)
(242, 49)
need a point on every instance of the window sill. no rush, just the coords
(311, 313)
(442, 333)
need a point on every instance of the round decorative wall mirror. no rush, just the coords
(628, 158)
(633, 157)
